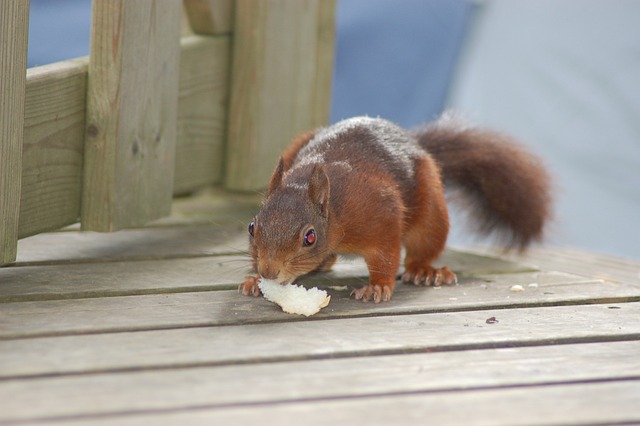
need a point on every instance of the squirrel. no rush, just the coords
(367, 187)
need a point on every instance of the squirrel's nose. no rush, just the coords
(268, 272)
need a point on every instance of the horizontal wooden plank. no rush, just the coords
(594, 403)
(270, 342)
(201, 273)
(170, 390)
(53, 146)
(136, 244)
(210, 16)
(196, 307)
(202, 111)
(589, 264)
(225, 234)
(125, 278)
(89, 280)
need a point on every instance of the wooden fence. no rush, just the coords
(155, 110)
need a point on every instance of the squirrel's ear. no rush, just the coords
(276, 178)
(319, 189)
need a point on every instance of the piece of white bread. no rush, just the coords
(294, 299)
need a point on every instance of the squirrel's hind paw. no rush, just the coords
(430, 276)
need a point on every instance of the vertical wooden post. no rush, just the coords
(14, 26)
(132, 100)
(281, 82)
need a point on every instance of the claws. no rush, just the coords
(379, 293)
(430, 276)
(250, 286)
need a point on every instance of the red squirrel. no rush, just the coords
(365, 186)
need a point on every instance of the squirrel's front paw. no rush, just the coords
(380, 293)
(250, 286)
(429, 276)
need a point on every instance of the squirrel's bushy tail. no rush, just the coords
(507, 188)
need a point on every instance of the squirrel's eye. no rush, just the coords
(252, 227)
(309, 238)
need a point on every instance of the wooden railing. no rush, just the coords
(155, 110)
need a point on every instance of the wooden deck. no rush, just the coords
(146, 327)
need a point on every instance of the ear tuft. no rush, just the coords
(276, 178)
(319, 189)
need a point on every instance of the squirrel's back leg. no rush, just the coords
(426, 229)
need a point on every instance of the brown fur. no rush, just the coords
(367, 187)
(507, 189)
(290, 153)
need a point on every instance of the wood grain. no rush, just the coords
(579, 262)
(55, 109)
(138, 326)
(131, 113)
(600, 403)
(202, 112)
(210, 17)
(208, 273)
(135, 244)
(145, 326)
(301, 382)
(14, 25)
(282, 65)
(106, 311)
(53, 146)
(312, 339)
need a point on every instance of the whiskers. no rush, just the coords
(233, 268)
(234, 251)
(308, 261)
(345, 271)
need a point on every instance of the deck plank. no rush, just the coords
(214, 308)
(579, 262)
(270, 342)
(121, 278)
(207, 272)
(608, 403)
(149, 243)
(180, 389)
